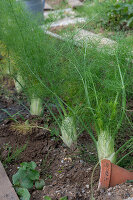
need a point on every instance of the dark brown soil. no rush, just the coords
(65, 172)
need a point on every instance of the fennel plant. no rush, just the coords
(104, 79)
(34, 53)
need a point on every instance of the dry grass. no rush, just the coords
(23, 128)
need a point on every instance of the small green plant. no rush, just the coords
(47, 198)
(121, 14)
(13, 155)
(26, 177)
(12, 117)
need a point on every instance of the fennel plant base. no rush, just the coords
(36, 106)
(105, 147)
(112, 175)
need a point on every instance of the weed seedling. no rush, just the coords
(25, 178)
(13, 155)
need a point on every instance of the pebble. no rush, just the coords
(44, 188)
(54, 183)
(61, 176)
(109, 189)
(56, 174)
(68, 159)
(87, 186)
(109, 194)
(89, 169)
(34, 193)
(58, 195)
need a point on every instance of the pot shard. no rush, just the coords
(112, 175)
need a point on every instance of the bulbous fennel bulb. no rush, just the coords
(19, 83)
(36, 106)
(68, 131)
(105, 147)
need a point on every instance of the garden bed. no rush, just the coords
(63, 107)
(65, 172)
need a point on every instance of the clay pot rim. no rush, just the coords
(105, 174)
(109, 175)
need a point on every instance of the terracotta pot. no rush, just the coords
(112, 175)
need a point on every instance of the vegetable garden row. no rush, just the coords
(89, 86)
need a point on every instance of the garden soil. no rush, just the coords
(65, 172)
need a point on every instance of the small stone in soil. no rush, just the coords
(109, 189)
(87, 186)
(109, 193)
